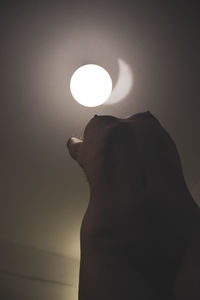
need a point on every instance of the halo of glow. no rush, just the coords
(91, 85)
(123, 85)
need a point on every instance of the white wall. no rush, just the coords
(28, 273)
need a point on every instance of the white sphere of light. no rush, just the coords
(91, 85)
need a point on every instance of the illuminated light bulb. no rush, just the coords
(91, 85)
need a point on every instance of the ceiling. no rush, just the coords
(44, 192)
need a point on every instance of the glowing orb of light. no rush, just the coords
(91, 85)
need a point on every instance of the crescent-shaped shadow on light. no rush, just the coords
(123, 85)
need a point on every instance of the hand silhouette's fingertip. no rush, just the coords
(68, 142)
